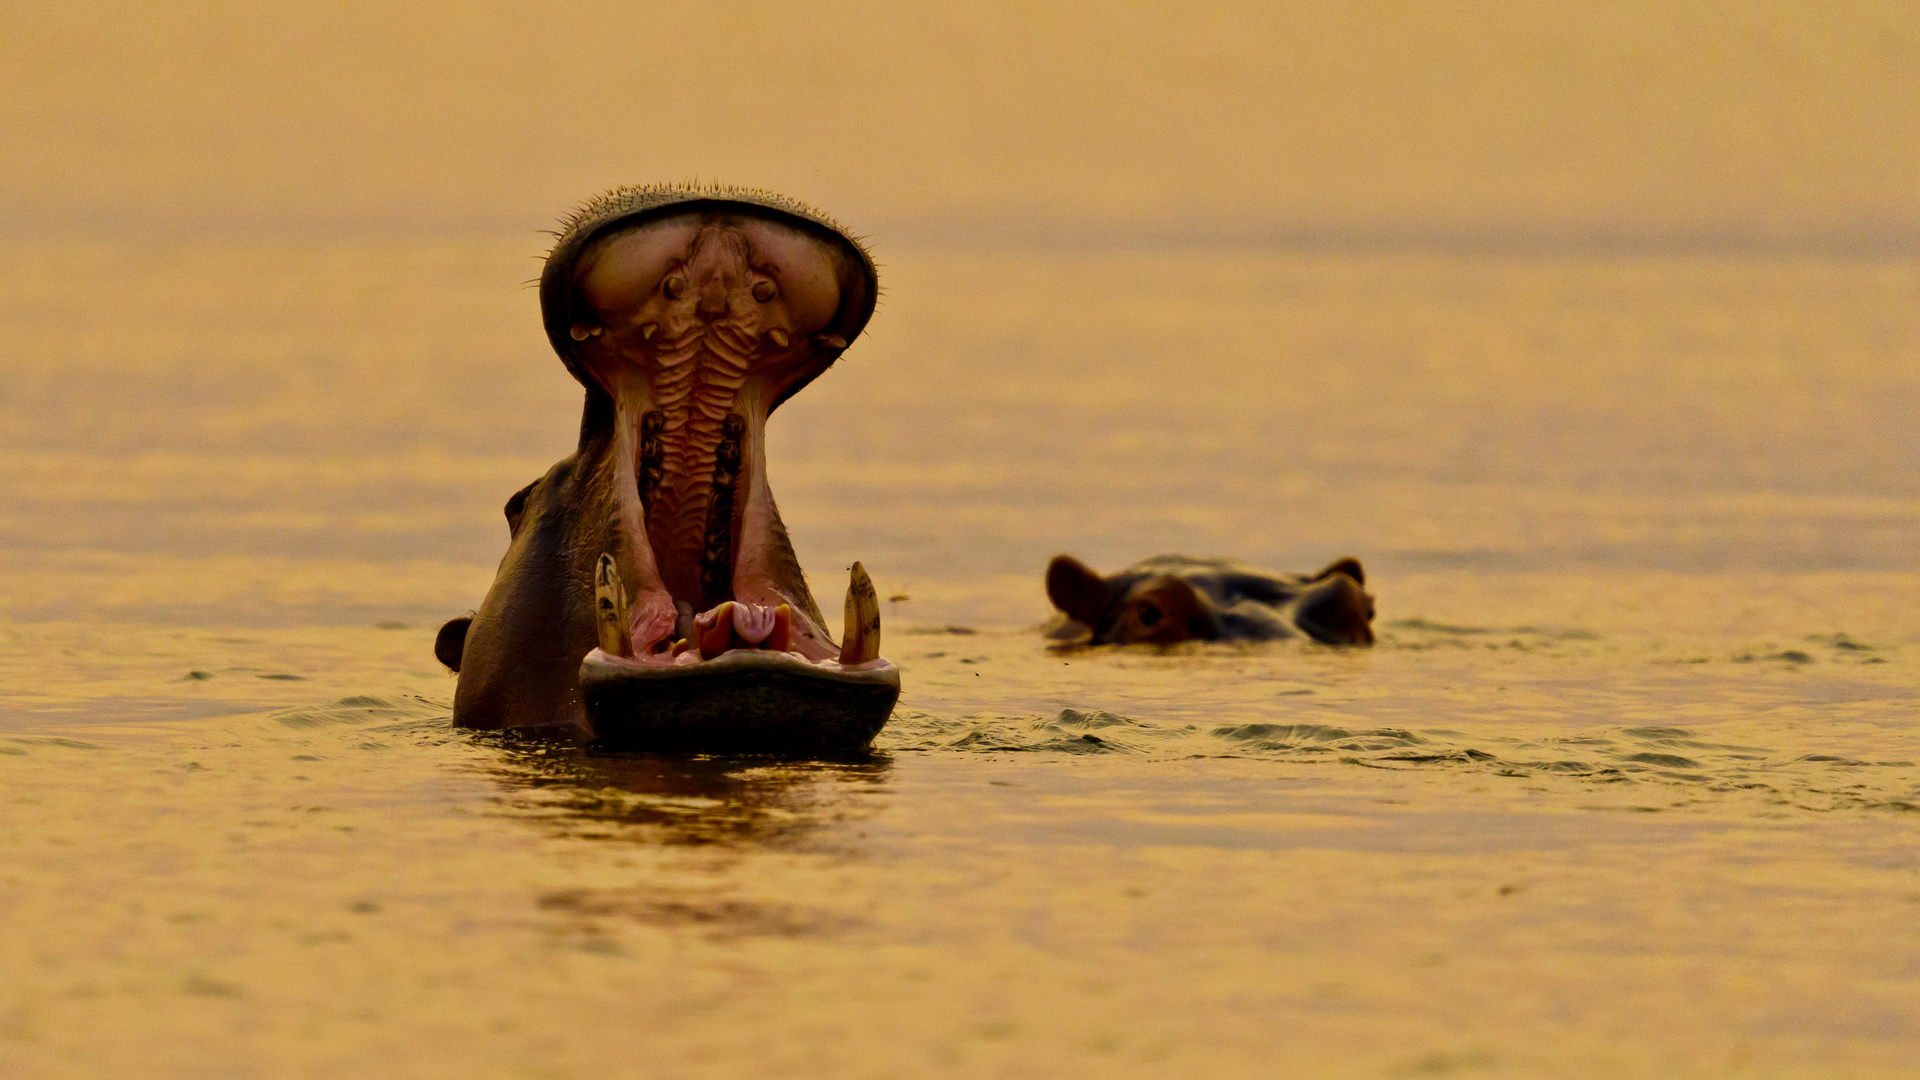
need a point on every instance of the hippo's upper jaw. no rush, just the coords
(696, 325)
(688, 314)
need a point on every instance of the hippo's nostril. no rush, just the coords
(763, 291)
(674, 286)
(1147, 614)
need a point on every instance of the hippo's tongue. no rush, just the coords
(699, 324)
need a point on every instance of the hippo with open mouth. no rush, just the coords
(649, 594)
(1173, 598)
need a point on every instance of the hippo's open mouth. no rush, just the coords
(696, 324)
(649, 591)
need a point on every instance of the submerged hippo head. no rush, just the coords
(689, 314)
(1174, 598)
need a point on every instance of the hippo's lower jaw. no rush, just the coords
(738, 684)
(755, 701)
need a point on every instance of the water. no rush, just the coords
(1628, 787)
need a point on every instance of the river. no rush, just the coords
(1630, 786)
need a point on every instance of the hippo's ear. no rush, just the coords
(1339, 612)
(451, 643)
(516, 506)
(1348, 566)
(1077, 590)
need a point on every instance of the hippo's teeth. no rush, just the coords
(610, 608)
(830, 341)
(860, 634)
(781, 640)
(647, 330)
(583, 330)
(778, 337)
(714, 629)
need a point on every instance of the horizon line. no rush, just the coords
(975, 231)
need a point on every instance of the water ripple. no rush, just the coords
(1634, 755)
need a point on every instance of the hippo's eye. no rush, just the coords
(763, 291)
(1147, 614)
(673, 286)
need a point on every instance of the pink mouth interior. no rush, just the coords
(698, 323)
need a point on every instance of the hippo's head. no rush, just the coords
(688, 314)
(1173, 598)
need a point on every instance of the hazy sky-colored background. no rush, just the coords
(1762, 120)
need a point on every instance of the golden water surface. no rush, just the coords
(1592, 327)
(1629, 787)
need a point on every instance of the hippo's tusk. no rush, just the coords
(610, 608)
(778, 337)
(583, 330)
(830, 341)
(713, 630)
(647, 331)
(860, 633)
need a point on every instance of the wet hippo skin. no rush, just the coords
(688, 314)
(1173, 598)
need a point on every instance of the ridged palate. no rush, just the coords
(695, 388)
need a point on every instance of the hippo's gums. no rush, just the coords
(649, 592)
(1173, 598)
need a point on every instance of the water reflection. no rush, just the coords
(735, 808)
(592, 793)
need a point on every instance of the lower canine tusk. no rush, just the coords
(610, 608)
(860, 633)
